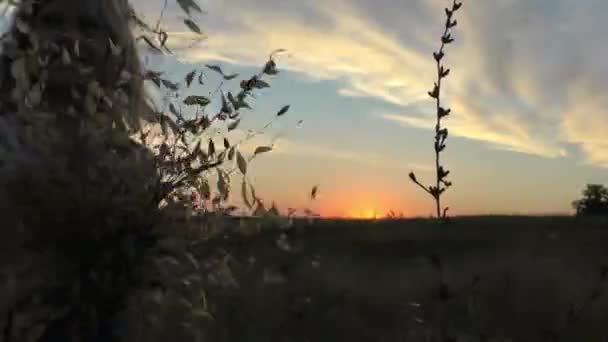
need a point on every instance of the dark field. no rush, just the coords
(505, 279)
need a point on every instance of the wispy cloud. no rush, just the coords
(289, 147)
(342, 45)
(515, 62)
(522, 82)
(586, 121)
(506, 132)
(371, 160)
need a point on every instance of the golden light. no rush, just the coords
(361, 205)
(364, 214)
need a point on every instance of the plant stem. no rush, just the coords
(438, 127)
(160, 17)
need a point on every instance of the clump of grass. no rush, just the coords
(441, 133)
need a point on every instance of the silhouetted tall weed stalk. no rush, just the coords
(441, 133)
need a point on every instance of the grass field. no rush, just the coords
(506, 279)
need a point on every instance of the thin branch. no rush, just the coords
(423, 187)
(199, 169)
(160, 17)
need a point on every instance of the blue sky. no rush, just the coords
(527, 87)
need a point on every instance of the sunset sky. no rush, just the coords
(530, 115)
(527, 89)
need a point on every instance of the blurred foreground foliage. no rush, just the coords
(109, 216)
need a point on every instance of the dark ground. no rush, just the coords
(505, 279)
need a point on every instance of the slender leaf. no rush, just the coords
(170, 85)
(260, 84)
(215, 68)
(262, 149)
(192, 26)
(231, 153)
(283, 110)
(211, 148)
(197, 100)
(244, 194)
(222, 185)
(233, 125)
(225, 106)
(230, 77)
(314, 192)
(187, 5)
(241, 162)
(190, 77)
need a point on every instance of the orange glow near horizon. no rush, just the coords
(365, 214)
(360, 206)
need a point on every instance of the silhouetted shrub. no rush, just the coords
(594, 201)
(93, 228)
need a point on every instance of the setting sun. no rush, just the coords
(363, 214)
(361, 204)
